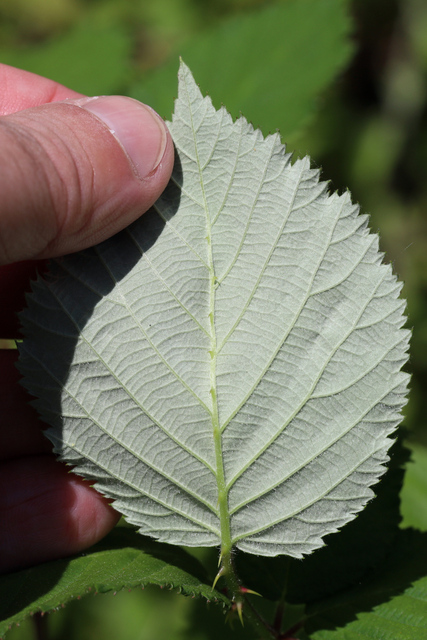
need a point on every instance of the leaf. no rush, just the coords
(345, 559)
(143, 614)
(226, 369)
(122, 559)
(390, 605)
(276, 89)
(414, 492)
(92, 58)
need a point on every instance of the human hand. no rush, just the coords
(66, 183)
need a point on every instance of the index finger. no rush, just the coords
(21, 90)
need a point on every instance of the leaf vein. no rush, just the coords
(261, 273)
(178, 235)
(283, 339)
(308, 504)
(245, 231)
(124, 446)
(311, 458)
(166, 286)
(307, 396)
(152, 345)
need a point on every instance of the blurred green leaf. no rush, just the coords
(93, 59)
(414, 492)
(391, 605)
(39, 16)
(122, 559)
(149, 614)
(270, 64)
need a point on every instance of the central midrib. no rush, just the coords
(223, 511)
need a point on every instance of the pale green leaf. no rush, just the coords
(345, 559)
(228, 368)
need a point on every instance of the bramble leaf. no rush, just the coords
(93, 57)
(389, 604)
(227, 369)
(278, 89)
(345, 559)
(123, 559)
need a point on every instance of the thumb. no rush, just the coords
(74, 173)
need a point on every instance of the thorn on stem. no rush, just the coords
(245, 590)
(217, 577)
(239, 607)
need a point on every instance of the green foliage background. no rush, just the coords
(363, 119)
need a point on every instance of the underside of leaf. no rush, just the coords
(227, 369)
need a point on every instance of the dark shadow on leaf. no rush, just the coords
(66, 298)
(18, 590)
(406, 564)
(212, 619)
(175, 556)
(139, 561)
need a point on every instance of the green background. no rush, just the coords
(347, 84)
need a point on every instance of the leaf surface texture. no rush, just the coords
(227, 369)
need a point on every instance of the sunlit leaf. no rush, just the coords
(228, 368)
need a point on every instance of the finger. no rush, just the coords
(21, 430)
(73, 174)
(21, 89)
(47, 513)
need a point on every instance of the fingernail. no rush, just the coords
(139, 129)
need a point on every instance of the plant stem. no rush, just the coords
(281, 603)
(240, 601)
(227, 568)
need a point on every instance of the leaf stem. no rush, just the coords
(227, 569)
(224, 515)
(240, 602)
(282, 601)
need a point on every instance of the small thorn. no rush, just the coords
(217, 577)
(239, 607)
(254, 593)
